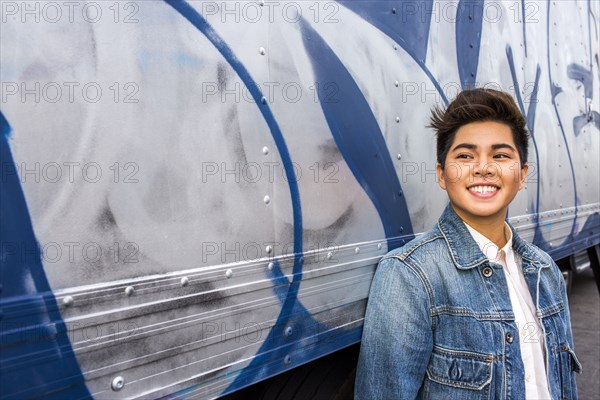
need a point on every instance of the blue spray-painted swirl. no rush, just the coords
(538, 237)
(358, 137)
(36, 356)
(589, 17)
(524, 26)
(529, 117)
(272, 347)
(586, 77)
(198, 21)
(562, 131)
(469, 21)
(397, 20)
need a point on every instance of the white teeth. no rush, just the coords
(483, 189)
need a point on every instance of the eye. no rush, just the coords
(465, 156)
(501, 155)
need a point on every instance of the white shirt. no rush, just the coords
(531, 334)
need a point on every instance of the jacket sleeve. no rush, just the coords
(570, 341)
(397, 335)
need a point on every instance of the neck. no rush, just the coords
(492, 227)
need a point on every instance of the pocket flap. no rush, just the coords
(466, 370)
(575, 364)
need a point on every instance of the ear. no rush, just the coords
(523, 176)
(440, 175)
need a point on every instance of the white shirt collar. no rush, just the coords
(489, 248)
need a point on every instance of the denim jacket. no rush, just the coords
(439, 322)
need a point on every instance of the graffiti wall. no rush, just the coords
(195, 193)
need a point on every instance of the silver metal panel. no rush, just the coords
(164, 210)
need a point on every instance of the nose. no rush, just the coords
(485, 169)
(482, 171)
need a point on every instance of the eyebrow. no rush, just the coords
(471, 146)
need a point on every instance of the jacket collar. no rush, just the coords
(465, 252)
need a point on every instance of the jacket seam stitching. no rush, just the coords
(450, 250)
(467, 313)
(426, 285)
(406, 253)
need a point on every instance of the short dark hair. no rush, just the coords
(478, 105)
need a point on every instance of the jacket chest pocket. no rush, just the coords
(458, 375)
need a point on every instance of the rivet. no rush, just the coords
(396, 83)
(301, 259)
(265, 150)
(356, 250)
(287, 359)
(400, 193)
(395, 47)
(267, 199)
(262, 51)
(269, 249)
(270, 266)
(399, 156)
(329, 255)
(393, 10)
(379, 246)
(185, 281)
(398, 119)
(471, 45)
(129, 290)
(117, 383)
(228, 273)
(288, 331)
(262, 3)
(401, 229)
(68, 301)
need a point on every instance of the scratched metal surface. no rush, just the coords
(179, 257)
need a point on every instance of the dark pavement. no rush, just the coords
(584, 303)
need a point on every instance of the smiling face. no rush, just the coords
(482, 172)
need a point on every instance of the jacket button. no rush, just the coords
(487, 272)
(509, 337)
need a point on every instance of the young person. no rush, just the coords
(469, 310)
